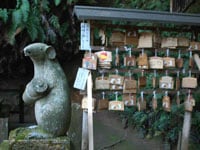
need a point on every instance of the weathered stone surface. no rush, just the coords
(44, 144)
(39, 144)
(26, 133)
(48, 90)
(34, 138)
(3, 129)
(75, 130)
(4, 145)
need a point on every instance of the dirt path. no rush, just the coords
(108, 129)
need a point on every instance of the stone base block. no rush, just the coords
(38, 144)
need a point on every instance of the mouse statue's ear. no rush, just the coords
(51, 53)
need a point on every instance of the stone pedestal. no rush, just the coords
(39, 144)
(3, 129)
(34, 138)
(43, 144)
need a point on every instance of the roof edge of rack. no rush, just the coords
(109, 13)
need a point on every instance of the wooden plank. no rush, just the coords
(90, 112)
(84, 144)
(197, 60)
(149, 28)
(137, 70)
(186, 131)
(3, 129)
(145, 91)
(121, 48)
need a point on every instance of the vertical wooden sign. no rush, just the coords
(85, 36)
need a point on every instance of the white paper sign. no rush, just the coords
(81, 78)
(85, 36)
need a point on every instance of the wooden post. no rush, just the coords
(84, 144)
(3, 129)
(171, 6)
(179, 141)
(197, 60)
(87, 124)
(90, 112)
(186, 131)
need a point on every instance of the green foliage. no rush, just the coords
(54, 21)
(20, 15)
(64, 30)
(25, 8)
(57, 2)
(71, 1)
(4, 15)
(32, 27)
(195, 7)
(45, 5)
(144, 4)
(16, 17)
(36, 19)
(19, 18)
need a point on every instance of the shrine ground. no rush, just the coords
(109, 134)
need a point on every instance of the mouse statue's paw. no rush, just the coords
(36, 89)
(39, 86)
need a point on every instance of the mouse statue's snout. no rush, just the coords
(27, 52)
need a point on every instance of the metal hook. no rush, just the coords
(116, 71)
(156, 51)
(166, 93)
(154, 72)
(190, 73)
(179, 54)
(142, 95)
(154, 94)
(167, 52)
(116, 96)
(143, 51)
(190, 54)
(103, 95)
(166, 72)
(178, 93)
(177, 73)
(117, 50)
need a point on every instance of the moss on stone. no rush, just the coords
(33, 132)
(36, 139)
(41, 144)
(4, 145)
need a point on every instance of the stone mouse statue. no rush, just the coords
(48, 90)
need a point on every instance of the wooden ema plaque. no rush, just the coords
(156, 62)
(166, 82)
(116, 105)
(130, 86)
(149, 40)
(102, 83)
(189, 82)
(170, 42)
